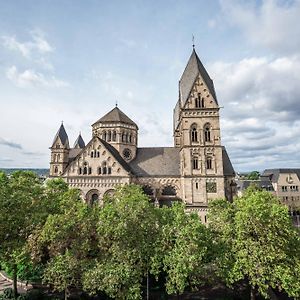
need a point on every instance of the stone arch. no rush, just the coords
(92, 197)
(169, 190)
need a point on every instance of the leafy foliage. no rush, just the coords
(257, 242)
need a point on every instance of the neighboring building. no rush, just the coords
(286, 184)
(195, 170)
(263, 183)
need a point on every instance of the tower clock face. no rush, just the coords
(127, 154)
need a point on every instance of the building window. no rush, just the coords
(199, 101)
(148, 190)
(98, 154)
(85, 170)
(123, 137)
(195, 163)
(90, 170)
(94, 199)
(57, 146)
(130, 138)
(55, 169)
(169, 191)
(284, 188)
(194, 133)
(80, 171)
(114, 136)
(99, 171)
(197, 185)
(207, 134)
(104, 135)
(109, 170)
(109, 136)
(294, 188)
(92, 154)
(209, 163)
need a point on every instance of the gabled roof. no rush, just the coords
(193, 69)
(227, 166)
(116, 116)
(156, 161)
(62, 135)
(79, 143)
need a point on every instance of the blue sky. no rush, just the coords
(72, 60)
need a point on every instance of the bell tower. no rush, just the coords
(59, 152)
(197, 134)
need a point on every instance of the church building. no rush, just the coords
(196, 169)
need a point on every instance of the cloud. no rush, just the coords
(29, 78)
(271, 24)
(37, 44)
(10, 144)
(260, 120)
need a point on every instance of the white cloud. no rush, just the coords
(37, 44)
(260, 119)
(272, 24)
(30, 78)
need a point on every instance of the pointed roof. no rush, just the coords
(62, 135)
(79, 143)
(116, 116)
(194, 68)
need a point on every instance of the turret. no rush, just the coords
(59, 152)
(79, 143)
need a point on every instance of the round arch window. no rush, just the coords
(94, 199)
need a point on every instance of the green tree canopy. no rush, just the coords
(258, 242)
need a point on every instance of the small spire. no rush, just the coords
(62, 122)
(116, 103)
(193, 39)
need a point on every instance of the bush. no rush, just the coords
(8, 293)
(23, 297)
(35, 294)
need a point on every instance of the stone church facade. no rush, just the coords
(196, 169)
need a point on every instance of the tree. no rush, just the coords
(66, 243)
(183, 249)
(20, 198)
(257, 242)
(254, 175)
(127, 233)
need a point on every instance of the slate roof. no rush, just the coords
(264, 183)
(79, 143)
(273, 174)
(227, 166)
(62, 135)
(193, 68)
(156, 161)
(116, 116)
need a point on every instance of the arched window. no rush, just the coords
(57, 146)
(109, 170)
(114, 136)
(130, 138)
(90, 170)
(80, 171)
(202, 102)
(58, 157)
(85, 170)
(98, 154)
(104, 135)
(99, 171)
(198, 101)
(209, 163)
(92, 154)
(123, 137)
(194, 133)
(169, 191)
(109, 136)
(207, 134)
(104, 168)
(94, 199)
(195, 163)
(126, 138)
(148, 190)
(55, 169)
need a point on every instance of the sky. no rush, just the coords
(71, 61)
